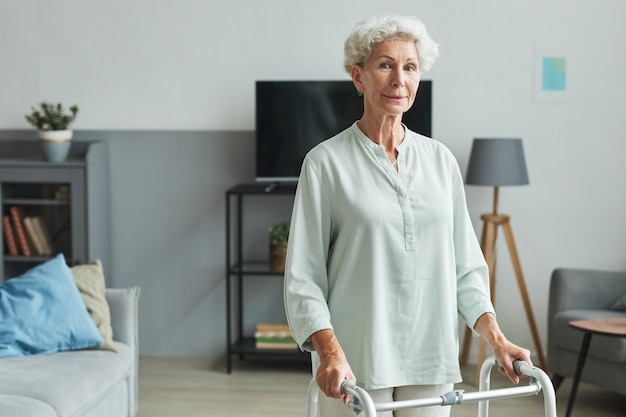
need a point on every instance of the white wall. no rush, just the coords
(158, 71)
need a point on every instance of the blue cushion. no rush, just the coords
(42, 311)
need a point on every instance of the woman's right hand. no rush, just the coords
(334, 367)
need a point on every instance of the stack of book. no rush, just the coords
(274, 336)
(25, 235)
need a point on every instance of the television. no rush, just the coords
(292, 117)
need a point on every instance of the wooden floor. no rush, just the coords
(198, 388)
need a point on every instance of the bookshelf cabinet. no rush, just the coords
(70, 198)
(239, 270)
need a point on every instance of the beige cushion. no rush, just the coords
(89, 279)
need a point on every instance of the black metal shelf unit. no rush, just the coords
(238, 343)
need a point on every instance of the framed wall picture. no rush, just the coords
(551, 83)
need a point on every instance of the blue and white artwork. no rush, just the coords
(553, 74)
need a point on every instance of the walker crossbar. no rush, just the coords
(362, 402)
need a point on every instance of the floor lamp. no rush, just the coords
(495, 163)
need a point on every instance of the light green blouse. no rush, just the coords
(384, 258)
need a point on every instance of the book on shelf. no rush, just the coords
(38, 231)
(44, 232)
(38, 234)
(33, 240)
(274, 336)
(260, 344)
(9, 235)
(17, 214)
(272, 327)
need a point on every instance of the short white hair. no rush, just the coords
(374, 30)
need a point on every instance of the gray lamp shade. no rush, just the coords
(497, 162)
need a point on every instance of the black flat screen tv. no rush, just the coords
(294, 116)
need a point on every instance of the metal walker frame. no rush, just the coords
(362, 402)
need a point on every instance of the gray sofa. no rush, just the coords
(85, 383)
(577, 294)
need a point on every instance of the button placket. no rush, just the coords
(407, 214)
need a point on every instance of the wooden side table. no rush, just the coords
(615, 326)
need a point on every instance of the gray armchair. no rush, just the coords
(577, 294)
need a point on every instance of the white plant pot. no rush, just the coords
(55, 144)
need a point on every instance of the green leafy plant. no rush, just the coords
(51, 117)
(279, 233)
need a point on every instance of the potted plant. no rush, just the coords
(278, 235)
(53, 131)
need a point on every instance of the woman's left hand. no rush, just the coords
(505, 352)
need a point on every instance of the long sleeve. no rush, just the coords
(306, 279)
(472, 272)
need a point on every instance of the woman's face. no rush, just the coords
(390, 78)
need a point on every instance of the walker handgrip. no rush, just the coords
(518, 365)
(347, 387)
(361, 400)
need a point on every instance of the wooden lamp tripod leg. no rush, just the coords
(488, 242)
(491, 222)
(508, 233)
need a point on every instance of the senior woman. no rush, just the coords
(382, 255)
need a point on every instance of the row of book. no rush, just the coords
(274, 336)
(25, 235)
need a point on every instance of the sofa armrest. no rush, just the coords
(583, 289)
(123, 304)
